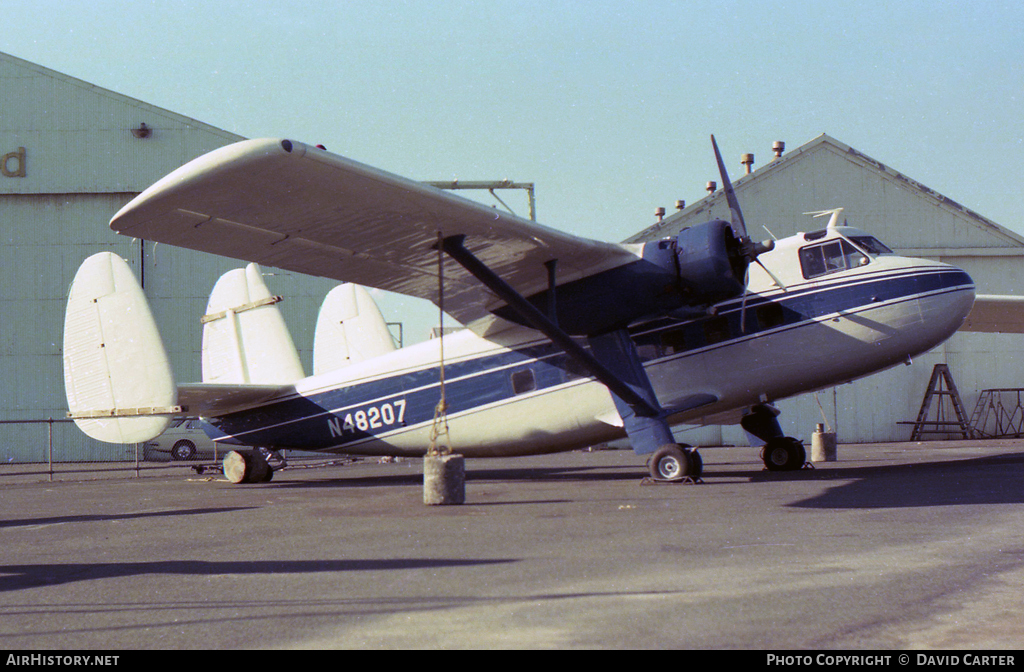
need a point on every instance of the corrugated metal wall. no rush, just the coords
(78, 137)
(81, 164)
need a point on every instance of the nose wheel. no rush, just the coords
(784, 453)
(676, 463)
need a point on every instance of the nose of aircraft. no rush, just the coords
(947, 308)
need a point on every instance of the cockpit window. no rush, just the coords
(831, 257)
(871, 244)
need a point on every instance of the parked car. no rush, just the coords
(183, 440)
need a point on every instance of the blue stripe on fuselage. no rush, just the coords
(374, 409)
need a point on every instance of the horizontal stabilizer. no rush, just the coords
(349, 330)
(117, 375)
(245, 340)
(211, 400)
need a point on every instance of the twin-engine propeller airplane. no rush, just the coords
(570, 342)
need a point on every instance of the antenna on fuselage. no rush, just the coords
(833, 221)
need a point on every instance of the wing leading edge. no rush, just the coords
(993, 313)
(288, 205)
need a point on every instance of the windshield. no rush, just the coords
(871, 244)
(829, 257)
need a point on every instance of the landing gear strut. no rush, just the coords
(676, 462)
(781, 453)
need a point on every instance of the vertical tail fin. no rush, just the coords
(245, 340)
(116, 371)
(349, 330)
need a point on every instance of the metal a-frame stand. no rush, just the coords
(941, 377)
(999, 413)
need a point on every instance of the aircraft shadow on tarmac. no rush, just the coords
(21, 577)
(415, 476)
(995, 479)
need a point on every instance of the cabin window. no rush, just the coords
(647, 351)
(573, 370)
(770, 315)
(830, 257)
(673, 341)
(716, 330)
(523, 381)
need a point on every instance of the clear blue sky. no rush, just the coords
(606, 106)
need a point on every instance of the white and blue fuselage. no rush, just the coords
(837, 306)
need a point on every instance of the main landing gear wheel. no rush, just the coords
(247, 466)
(674, 463)
(784, 454)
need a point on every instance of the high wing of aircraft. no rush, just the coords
(288, 205)
(993, 313)
(570, 341)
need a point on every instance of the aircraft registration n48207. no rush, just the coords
(569, 342)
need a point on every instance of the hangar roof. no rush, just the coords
(69, 136)
(826, 173)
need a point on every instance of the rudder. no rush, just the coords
(245, 339)
(117, 376)
(350, 329)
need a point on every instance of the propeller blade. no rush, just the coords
(739, 226)
(743, 303)
(778, 283)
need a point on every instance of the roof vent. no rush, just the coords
(748, 161)
(711, 187)
(778, 147)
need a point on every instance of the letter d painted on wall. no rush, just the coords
(17, 159)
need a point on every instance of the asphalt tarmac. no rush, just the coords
(894, 546)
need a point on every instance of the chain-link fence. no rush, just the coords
(54, 449)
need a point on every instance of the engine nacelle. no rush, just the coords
(712, 267)
(700, 267)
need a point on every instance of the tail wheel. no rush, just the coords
(246, 466)
(784, 454)
(676, 462)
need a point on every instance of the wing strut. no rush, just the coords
(646, 434)
(641, 406)
(615, 362)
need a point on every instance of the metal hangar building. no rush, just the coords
(71, 155)
(911, 219)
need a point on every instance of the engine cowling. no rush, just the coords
(703, 265)
(712, 263)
